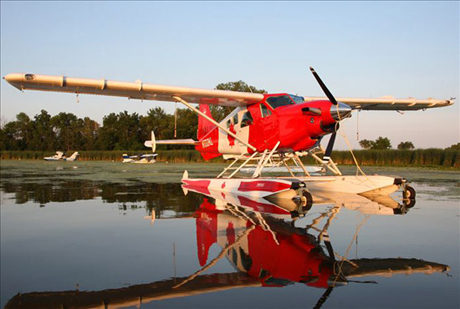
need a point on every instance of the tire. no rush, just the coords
(409, 193)
(409, 203)
(308, 200)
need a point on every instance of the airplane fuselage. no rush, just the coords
(297, 125)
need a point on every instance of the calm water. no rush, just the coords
(87, 234)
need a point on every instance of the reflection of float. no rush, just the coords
(266, 249)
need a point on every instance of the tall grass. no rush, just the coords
(418, 157)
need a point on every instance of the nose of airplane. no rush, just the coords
(340, 111)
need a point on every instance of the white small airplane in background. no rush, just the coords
(57, 157)
(60, 156)
(145, 158)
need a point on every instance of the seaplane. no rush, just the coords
(57, 157)
(140, 159)
(262, 128)
(60, 156)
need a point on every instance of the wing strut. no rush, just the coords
(179, 99)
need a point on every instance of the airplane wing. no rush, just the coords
(388, 103)
(144, 91)
(132, 90)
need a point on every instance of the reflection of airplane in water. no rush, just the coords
(266, 249)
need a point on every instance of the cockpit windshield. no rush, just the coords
(283, 100)
(297, 99)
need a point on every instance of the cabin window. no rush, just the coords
(246, 120)
(235, 119)
(264, 111)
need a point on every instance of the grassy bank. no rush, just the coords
(419, 157)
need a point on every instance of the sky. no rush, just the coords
(360, 49)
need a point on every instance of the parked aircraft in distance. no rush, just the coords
(60, 156)
(142, 159)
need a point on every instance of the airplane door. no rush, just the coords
(268, 125)
(241, 122)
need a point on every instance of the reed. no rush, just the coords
(419, 157)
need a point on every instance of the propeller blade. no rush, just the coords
(323, 87)
(323, 298)
(327, 242)
(330, 146)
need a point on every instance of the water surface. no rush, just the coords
(81, 234)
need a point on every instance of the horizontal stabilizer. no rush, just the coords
(172, 142)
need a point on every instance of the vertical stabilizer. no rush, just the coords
(204, 125)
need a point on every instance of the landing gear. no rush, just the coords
(306, 200)
(409, 196)
(409, 193)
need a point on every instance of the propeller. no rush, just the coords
(330, 145)
(323, 87)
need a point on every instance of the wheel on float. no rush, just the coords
(307, 200)
(409, 193)
(409, 203)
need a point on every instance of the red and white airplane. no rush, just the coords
(268, 128)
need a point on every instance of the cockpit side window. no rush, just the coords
(297, 99)
(246, 120)
(264, 111)
(235, 119)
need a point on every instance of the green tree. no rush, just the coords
(129, 132)
(454, 147)
(239, 86)
(44, 137)
(10, 139)
(68, 129)
(366, 144)
(187, 123)
(120, 132)
(380, 143)
(406, 146)
(220, 112)
(90, 134)
(158, 121)
(108, 133)
(18, 134)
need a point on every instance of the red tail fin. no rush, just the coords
(204, 125)
(208, 147)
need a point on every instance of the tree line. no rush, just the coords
(383, 143)
(122, 131)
